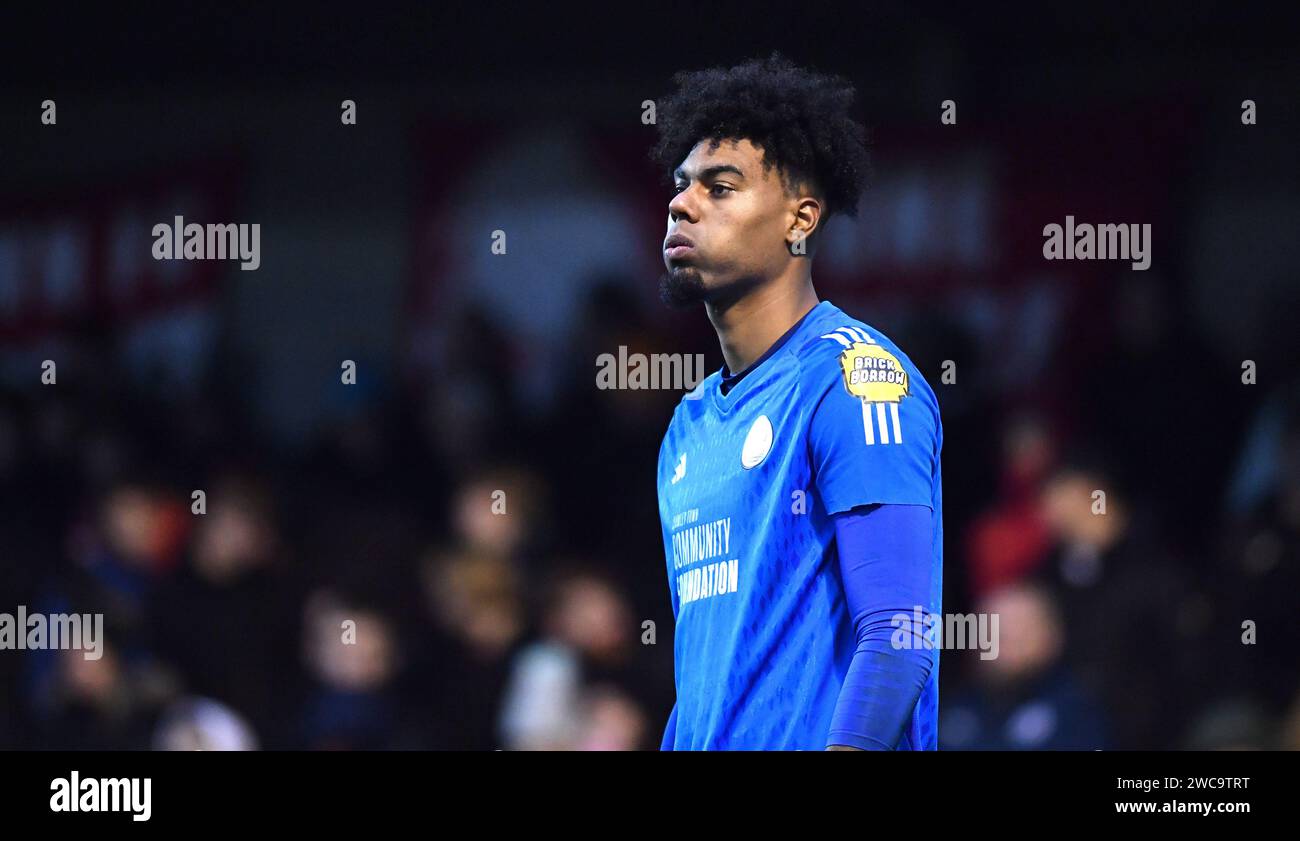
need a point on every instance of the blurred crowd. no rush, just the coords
(1141, 551)
(440, 568)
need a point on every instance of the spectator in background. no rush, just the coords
(95, 704)
(574, 688)
(611, 720)
(228, 619)
(351, 654)
(1137, 619)
(1010, 540)
(540, 703)
(122, 550)
(122, 557)
(502, 512)
(1026, 698)
(474, 624)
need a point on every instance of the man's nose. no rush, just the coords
(681, 207)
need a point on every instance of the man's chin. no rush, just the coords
(681, 287)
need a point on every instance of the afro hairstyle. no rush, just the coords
(798, 117)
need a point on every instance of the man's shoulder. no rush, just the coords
(841, 351)
(690, 407)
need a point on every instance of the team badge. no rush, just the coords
(758, 443)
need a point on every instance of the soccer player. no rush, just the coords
(799, 486)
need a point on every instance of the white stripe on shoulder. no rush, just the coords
(837, 337)
(858, 335)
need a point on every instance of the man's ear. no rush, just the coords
(805, 222)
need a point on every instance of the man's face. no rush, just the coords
(736, 216)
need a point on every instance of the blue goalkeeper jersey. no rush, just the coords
(833, 417)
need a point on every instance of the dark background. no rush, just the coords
(476, 372)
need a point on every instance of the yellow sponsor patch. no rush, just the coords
(874, 374)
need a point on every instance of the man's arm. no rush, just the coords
(884, 560)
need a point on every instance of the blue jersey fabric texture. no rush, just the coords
(750, 483)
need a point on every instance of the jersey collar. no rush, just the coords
(745, 378)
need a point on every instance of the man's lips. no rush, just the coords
(677, 246)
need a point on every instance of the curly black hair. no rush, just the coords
(799, 117)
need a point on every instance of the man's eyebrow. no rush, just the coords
(709, 172)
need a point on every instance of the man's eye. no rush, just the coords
(678, 188)
(719, 189)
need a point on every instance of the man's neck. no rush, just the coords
(750, 325)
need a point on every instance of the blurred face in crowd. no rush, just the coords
(476, 598)
(592, 617)
(1029, 633)
(480, 526)
(231, 539)
(92, 681)
(495, 513)
(610, 721)
(353, 658)
(1074, 514)
(734, 219)
(131, 523)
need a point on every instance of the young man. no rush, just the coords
(799, 487)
